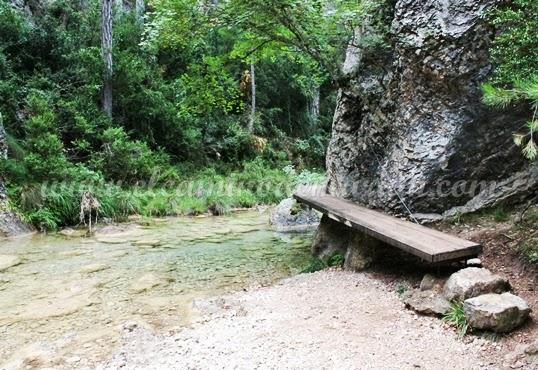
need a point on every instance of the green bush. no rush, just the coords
(126, 160)
(514, 52)
(315, 265)
(336, 259)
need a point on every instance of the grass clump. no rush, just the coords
(500, 214)
(529, 250)
(401, 289)
(456, 317)
(315, 265)
(335, 259)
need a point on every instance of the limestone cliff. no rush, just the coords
(10, 222)
(409, 119)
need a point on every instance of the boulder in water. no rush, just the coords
(290, 215)
(148, 282)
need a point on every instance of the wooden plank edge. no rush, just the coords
(459, 243)
(466, 252)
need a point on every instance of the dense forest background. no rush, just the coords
(183, 81)
(164, 92)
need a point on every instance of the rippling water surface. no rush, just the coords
(66, 302)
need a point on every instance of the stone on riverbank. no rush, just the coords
(427, 302)
(291, 216)
(359, 249)
(472, 282)
(428, 299)
(500, 313)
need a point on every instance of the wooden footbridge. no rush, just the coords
(428, 244)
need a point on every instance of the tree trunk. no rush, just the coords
(252, 98)
(106, 49)
(315, 104)
(140, 8)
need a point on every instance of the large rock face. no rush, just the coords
(409, 117)
(10, 223)
(3, 156)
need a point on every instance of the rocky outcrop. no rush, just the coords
(409, 120)
(10, 222)
(500, 313)
(472, 282)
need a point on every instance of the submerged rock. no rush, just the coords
(472, 282)
(292, 216)
(497, 312)
(96, 267)
(72, 233)
(148, 282)
(7, 261)
(150, 243)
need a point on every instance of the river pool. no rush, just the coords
(70, 298)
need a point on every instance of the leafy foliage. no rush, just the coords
(180, 99)
(515, 53)
(335, 259)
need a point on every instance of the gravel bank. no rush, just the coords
(330, 319)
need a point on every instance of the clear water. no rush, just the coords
(71, 295)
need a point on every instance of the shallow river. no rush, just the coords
(69, 299)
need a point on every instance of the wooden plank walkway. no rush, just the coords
(430, 245)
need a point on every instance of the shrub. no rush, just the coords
(315, 265)
(336, 259)
(126, 160)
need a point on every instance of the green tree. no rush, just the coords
(515, 55)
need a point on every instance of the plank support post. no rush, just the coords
(359, 249)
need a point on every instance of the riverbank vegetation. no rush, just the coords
(197, 94)
(114, 96)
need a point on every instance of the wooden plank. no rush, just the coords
(450, 241)
(428, 244)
